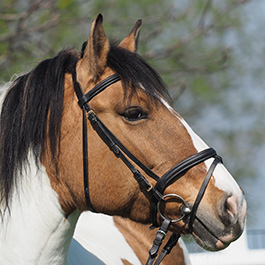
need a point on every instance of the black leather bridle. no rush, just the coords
(126, 156)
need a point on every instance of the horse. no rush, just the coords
(131, 245)
(95, 131)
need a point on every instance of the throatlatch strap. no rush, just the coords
(85, 163)
(79, 94)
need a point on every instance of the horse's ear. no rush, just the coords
(131, 41)
(94, 58)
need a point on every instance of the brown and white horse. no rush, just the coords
(42, 167)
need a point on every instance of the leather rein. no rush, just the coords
(127, 157)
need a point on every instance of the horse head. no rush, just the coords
(136, 111)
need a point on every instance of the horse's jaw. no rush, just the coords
(36, 230)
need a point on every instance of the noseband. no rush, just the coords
(127, 157)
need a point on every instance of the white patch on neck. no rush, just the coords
(98, 240)
(185, 252)
(36, 231)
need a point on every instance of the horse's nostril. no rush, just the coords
(229, 210)
(231, 205)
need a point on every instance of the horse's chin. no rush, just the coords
(214, 241)
(209, 242)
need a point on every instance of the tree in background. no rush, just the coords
(182, 39)
(192, 44)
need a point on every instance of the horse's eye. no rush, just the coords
(134, 114)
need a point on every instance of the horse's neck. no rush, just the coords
(140, 238)
(36, 230)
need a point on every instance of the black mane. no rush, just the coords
(39, 94)
(24, 115)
